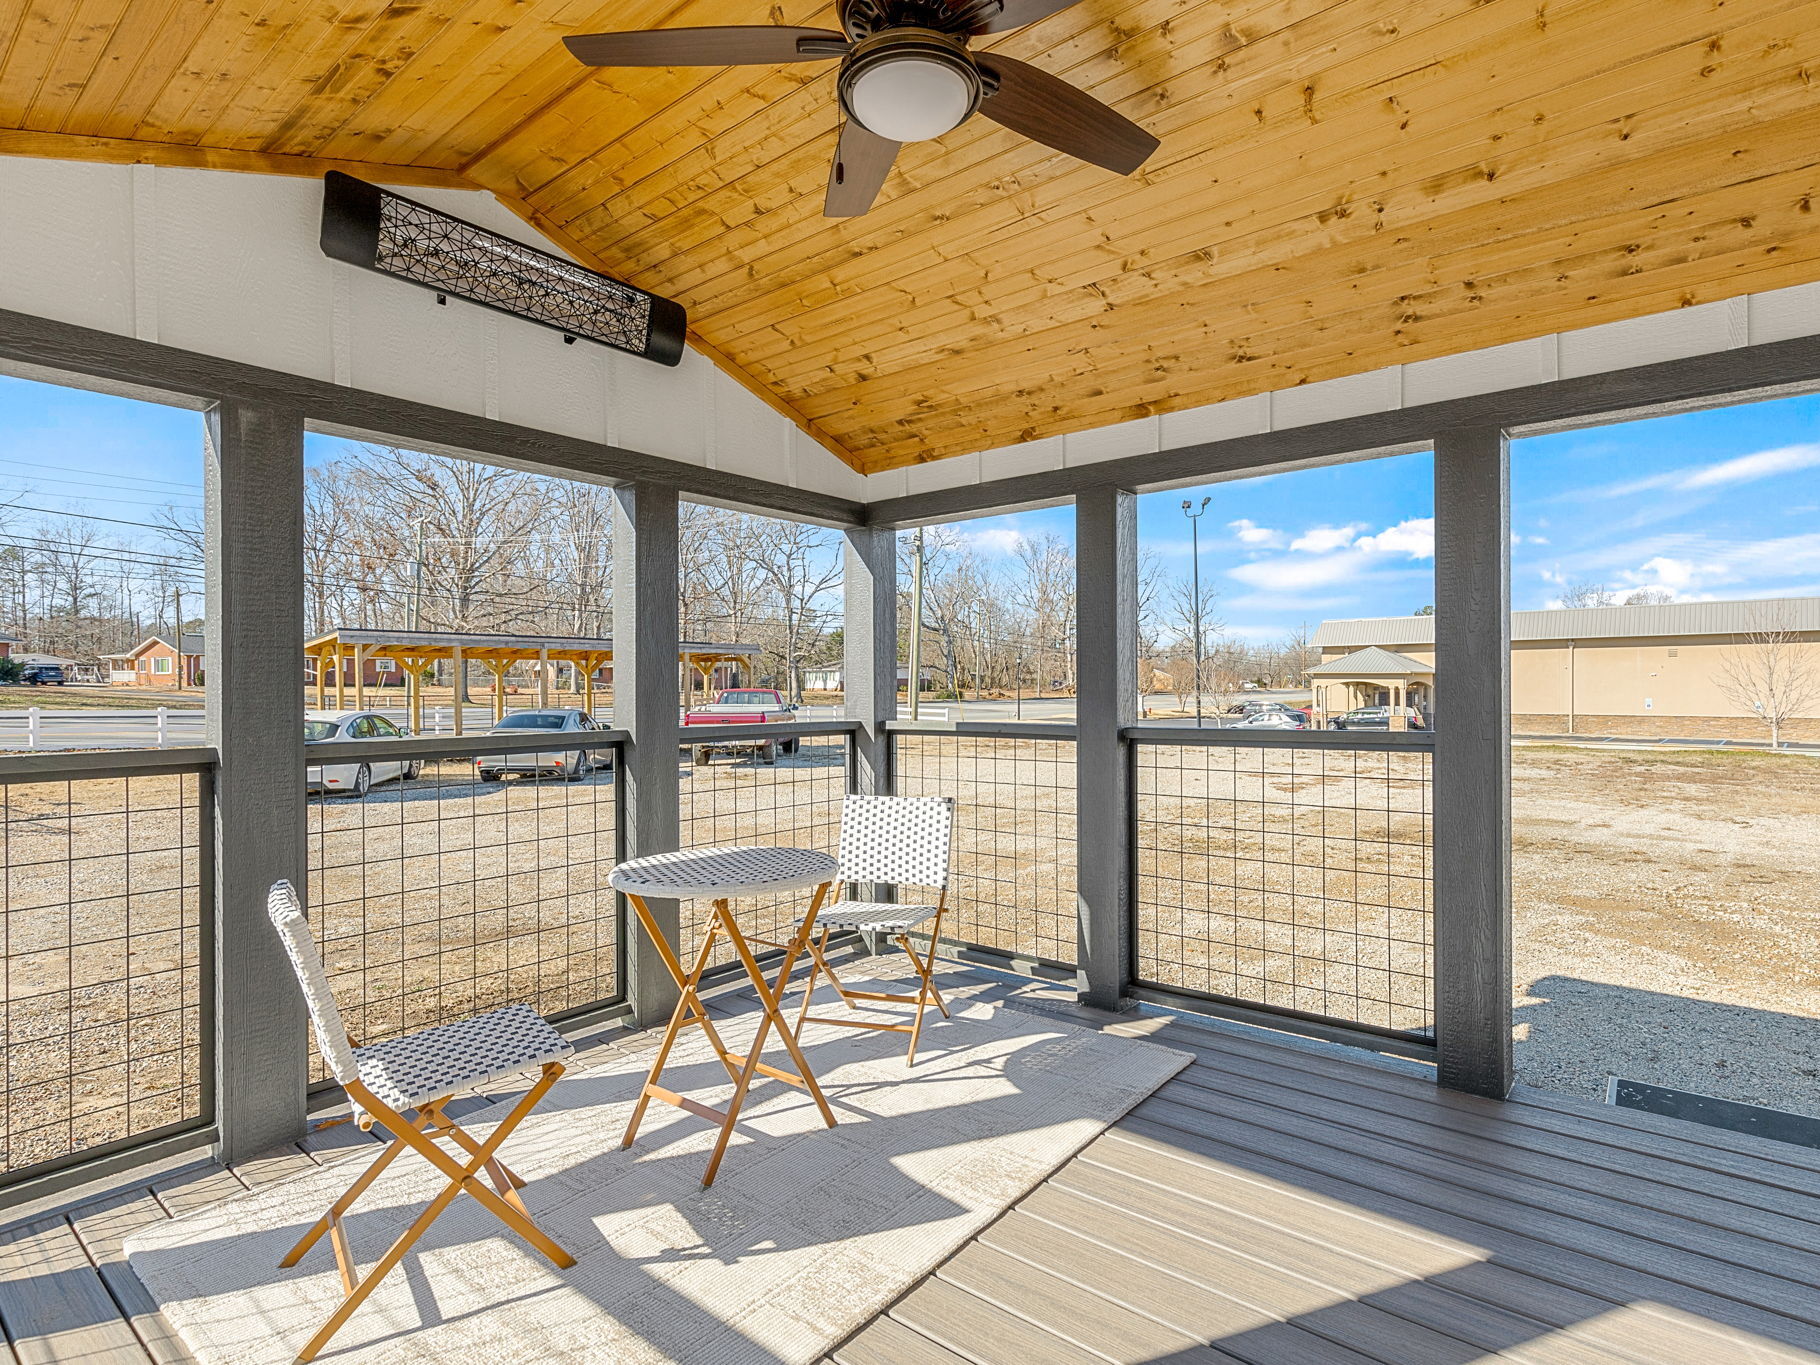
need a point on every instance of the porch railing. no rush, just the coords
(464, 887)
(108, 954)
(1283, 874)
(1289, 871)
(792, 798)
(1013, 888)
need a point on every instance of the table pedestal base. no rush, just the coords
(691, 1012)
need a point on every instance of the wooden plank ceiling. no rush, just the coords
(1342, 184)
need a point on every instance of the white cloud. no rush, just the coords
(995, 540)
(1746, 468)
(1414, 538)
(1291, 573)
(1321, 540)
(1762, 464)
(1250, 533)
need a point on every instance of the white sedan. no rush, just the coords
(1272, 720)
(353, 779)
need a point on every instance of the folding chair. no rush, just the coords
(900, 841)
(422, 1072)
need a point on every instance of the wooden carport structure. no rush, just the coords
(418, 651)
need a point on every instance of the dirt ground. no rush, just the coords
(1668, 922)
(1666, 929)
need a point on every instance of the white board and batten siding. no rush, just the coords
(1750, 320)
(228, 264)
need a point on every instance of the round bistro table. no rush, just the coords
(720, 875)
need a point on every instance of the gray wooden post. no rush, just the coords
(1105, 553)
(645, 650)
(869, 638)
(253, 485)
(1472, 761)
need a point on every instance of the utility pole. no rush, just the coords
(177, 594)
(916, 623)
(1194, 526)
(417, 582)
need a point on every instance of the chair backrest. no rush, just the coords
(896, 839)
(287, 917)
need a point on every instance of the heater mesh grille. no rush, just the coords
(445, 253)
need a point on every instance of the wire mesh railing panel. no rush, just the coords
(1292, 878)
(740, 799)
(457, 891)
(1013, 883)
(106, 954)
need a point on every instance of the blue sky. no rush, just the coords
(1719, 504)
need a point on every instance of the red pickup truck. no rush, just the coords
(742, 706)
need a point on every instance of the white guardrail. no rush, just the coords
(165, 727)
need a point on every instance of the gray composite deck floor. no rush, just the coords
(1276, 1203)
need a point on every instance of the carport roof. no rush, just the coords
(438, 644)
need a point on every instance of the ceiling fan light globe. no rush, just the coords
(911, 99)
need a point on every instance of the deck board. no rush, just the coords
(1276, 1203)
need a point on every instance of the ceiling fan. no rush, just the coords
(906, 74)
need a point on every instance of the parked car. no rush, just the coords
(742, 706)
(353, 779)
(569, 764)
(42, 675)
(1375, 718)
(1284, 719)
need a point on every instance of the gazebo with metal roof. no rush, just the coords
(1403, 679)
(419, 651)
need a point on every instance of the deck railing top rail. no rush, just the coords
(65, 765)
(990, 729)
(1280, 739)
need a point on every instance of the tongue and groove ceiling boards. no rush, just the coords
(1342, 184)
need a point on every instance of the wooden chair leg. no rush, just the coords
(344, 1203)
(817, 963)
(417, 1136)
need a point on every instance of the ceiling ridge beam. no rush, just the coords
(124, 151)
(722, 361)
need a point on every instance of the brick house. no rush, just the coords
(157, 661)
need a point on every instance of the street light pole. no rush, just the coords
(916, 625)
(1194, 514)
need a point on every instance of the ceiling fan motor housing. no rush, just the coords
(910, 83)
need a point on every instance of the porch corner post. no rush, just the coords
(869, 661)
(645, 625)
(1105, 703)
(1472, 905)
(254, 572)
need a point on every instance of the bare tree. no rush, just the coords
(1771, 672)
(800, 567)
(1586, 594)
(1649, 597)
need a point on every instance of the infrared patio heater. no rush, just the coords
(389, 234)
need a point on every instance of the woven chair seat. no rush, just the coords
(404, 1072)
(884, 916)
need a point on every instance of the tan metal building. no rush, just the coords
(1626, 670)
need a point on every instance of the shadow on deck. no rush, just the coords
(1276, 1202)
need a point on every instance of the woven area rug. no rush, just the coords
(808, 1232)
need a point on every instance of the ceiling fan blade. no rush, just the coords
(749, 45)
(861, 163)
(1008, 14)
(1048, 110)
